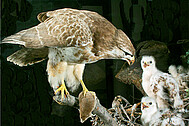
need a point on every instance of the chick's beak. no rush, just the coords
(145, 64)
(144, 105)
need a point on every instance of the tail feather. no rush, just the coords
(28, 56)
(15, 39)
(30, 38)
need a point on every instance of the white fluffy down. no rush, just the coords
(151, 115)
(180, 74)
(59, 71)
(159, 85)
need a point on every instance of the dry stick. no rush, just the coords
(99, 110)
(186, 105)
(126, 115)
(120, 114)
(130, 109)
(133, 110)
(125, 112)
(125, 100)
(130, 120)
(186, 99)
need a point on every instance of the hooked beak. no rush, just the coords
(130, 60)
(145, 65)
(144, 105)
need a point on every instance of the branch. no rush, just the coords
(69, 100)
(99, 110)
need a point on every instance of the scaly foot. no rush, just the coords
(64, 91)
(85, 90)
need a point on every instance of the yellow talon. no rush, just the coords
(63, 90)
(85, 90)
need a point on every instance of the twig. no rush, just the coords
(125, 100)
(125, 112)
(126, 115)
(186, 99)
(186, 105)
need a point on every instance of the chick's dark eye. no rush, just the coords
(150, 103)
(150, 61)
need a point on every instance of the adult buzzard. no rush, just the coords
(70, 38)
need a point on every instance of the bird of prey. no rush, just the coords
(152, 116)
(159, 85)
(70, 38)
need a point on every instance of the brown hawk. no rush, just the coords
(70, 38)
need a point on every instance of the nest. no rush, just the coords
(122, 112)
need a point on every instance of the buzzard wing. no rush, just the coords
(28, 56)
(59, 28)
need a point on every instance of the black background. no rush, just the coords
(26, 97)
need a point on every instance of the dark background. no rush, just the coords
(26, 97)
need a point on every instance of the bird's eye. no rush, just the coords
(126, 53)
(150, 103)
(142, 61)
(150, 61)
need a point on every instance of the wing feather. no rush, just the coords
(162, 82)
(28, 56)
(167, 88)
(59, 28)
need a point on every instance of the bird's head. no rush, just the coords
(149, 109)
(147, 62)
(148, 104)
(129, 58)
(125, 47)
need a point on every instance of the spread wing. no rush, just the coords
(62, 28)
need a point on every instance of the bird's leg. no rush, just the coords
(63, 90)
(84, 87)
(85, 90)
(78, 72)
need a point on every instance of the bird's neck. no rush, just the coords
(150, 71)
(156, 118)
(147, 115)
(153, 111)
(147, 74)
